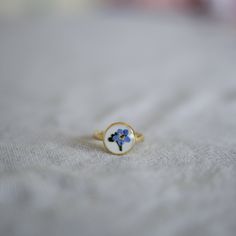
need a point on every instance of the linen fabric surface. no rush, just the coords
(172, 78)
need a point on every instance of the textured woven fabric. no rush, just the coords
(173, 79)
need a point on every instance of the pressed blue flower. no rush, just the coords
(120, 137)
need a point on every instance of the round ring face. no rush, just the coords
(119, 138)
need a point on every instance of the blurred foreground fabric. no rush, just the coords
(173, 78)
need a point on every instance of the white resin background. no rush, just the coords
(172, 78)
(112, 146)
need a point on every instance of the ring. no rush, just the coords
(119, 138)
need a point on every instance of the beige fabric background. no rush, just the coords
(173, 78)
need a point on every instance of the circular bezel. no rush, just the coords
(113, 147)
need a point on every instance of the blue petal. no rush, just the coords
(119, 131)
(120, 142)
(116, 137)
(125, 132)
(127, 139)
